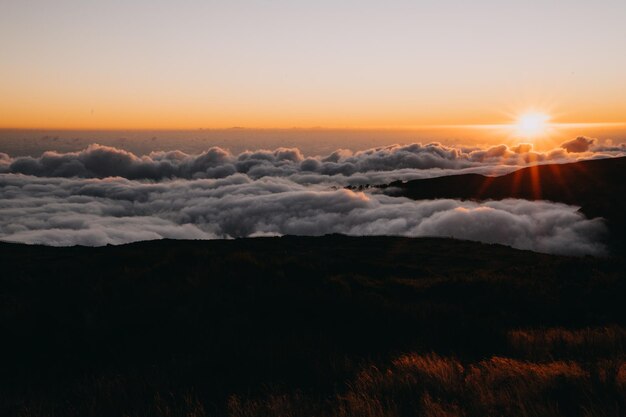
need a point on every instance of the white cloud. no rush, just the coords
(103, 195)
(62, 211)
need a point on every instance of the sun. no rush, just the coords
(531, 125)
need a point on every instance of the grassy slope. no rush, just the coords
(252, 326)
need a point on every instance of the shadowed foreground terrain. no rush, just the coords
(310, 326)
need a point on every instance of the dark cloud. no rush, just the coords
(62, 211)
(580, 144)
(384, 163)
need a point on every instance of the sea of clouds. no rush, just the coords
(376, 165)
(103, 195)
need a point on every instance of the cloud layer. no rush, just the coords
(341, 167)
(104, 195)
(62, 211)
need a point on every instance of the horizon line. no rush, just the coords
(565, 125)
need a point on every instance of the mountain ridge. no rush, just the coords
(598, 186)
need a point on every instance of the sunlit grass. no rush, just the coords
(437, 386)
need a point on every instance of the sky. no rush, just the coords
(193, 64)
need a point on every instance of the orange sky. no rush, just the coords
(278, 64)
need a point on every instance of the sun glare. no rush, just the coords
(532, 124)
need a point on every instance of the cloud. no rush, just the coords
(580, 144)
(382, 164)
(104, 195)
(610, 148)
(522, 148)
(63, 211)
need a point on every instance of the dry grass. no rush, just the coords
(555, 342)
(160, 405)
(273, 405)
(436, 386)
(428, 385)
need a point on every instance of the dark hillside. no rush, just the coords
(229, 326)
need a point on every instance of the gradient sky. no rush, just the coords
(359, 64)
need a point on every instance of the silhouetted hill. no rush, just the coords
(598, 186)
(297, 325)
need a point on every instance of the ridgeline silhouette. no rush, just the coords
(598, 186)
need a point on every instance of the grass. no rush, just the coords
(586, 343)
(432, 385)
